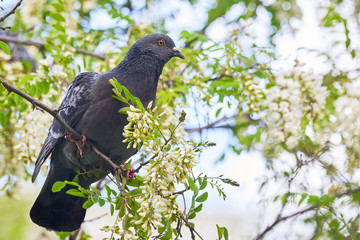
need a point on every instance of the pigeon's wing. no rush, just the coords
(75, 103)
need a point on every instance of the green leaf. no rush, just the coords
(128, 165)
(57, 186)
(62, 37)
(353, 53)
(203, 183)
(218, 112)
(75, 192)
(226, 233)
(112, 209)
(284, 199)
(196, 190)
(220, 231)
(313, 200)
(303, 197)
(135, 191)
(191, 214)
(202, 197)
(168, 147)
(58, 7)
(5, 47)
(259, 74)
(119, 89)
(135, 182)
(101, 202)
(198, 208)
(3, 119)
(59, 28)
(63, 235)
(123, 110)
(57, 17)
(72, 183)
(122, 211)
(88, 203)
(168, 233)
(85, 236)
(109, 191)
(96, 190)
(191, 184)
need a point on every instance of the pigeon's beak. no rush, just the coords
(177, 53)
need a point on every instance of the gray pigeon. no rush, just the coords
(90, 109)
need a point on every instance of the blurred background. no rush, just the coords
(224, 42)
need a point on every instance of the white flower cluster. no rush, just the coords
(126, 234)
(31, 11)
(29, 134)
(158, 201)
(348, 120)
(48, 68)
(295, 98)
(251, 96)
(140, 127)
(169, 166)
(168, 118)
(12, 69)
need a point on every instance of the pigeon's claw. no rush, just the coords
(79, 143)
(127, 172)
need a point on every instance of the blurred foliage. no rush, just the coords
(298, 119)
(13, 212)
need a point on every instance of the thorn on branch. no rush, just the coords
(59, 109)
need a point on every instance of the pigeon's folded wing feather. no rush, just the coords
(71, 109)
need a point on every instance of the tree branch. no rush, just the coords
(210, 125)
(280, 219)
(12, 11)
(4, 27)
(7, 38)
(191, 228)
(37, 104)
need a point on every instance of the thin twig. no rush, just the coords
(143, 164)
(97, 55)
(37, 104)
(74, 234)
(281, 219)
(7, 38)
(221, 76)
(11, 12)
(191, 228)
(210, 125)
(313, 207)
(96, 218)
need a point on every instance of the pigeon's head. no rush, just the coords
(158, 46)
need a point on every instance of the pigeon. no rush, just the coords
(90, 108)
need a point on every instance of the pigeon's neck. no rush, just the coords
(140, 75)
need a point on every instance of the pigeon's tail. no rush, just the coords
(58, 211)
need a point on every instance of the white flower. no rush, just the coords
(245, 23)
(291, 141)
(294, 97)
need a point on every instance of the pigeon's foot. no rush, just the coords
(79, 143)
(127, 172)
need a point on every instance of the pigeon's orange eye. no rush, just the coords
(161, 42)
